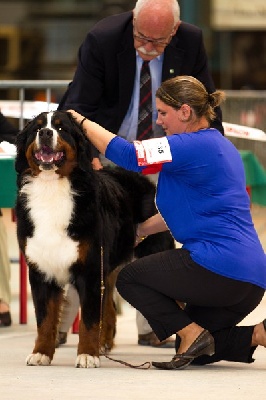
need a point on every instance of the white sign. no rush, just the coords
(29, 110)
(244, 132)
(238, 14)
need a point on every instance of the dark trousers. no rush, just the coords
(153, 284)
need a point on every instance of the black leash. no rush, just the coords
(145, 365)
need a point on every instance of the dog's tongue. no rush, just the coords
(46, 155)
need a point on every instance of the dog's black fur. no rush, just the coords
(106, 207)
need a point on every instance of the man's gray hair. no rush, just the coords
(171, 4)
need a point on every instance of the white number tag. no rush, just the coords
(153, 151)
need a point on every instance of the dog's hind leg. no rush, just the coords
(47, 299)
(109, 313)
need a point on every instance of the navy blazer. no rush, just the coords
(103, 82)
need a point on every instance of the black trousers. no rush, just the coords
(152, 285)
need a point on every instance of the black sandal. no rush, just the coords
(203, 345)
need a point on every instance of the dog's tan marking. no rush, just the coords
(35, 170)
(109, 313)
(45, 342)
(70, 157)
(39, 121)
(83, 250)
(57, 121)
(88, 339)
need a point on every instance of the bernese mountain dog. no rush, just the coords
(76, 225)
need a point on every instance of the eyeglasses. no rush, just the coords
(154, 42)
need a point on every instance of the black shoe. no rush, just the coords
(61, 339)
(5, 319)
(150, 339)
(203, 345)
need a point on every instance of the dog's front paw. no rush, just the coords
(38, 359)
(87, 361)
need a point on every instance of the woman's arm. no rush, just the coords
(152, 225)
(98, 135)
(115, 148)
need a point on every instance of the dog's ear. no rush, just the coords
(21, 162)
(84, 146)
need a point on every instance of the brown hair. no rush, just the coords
(188, 90)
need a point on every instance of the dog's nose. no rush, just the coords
(45, 133)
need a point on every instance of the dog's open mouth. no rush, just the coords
(47, 155)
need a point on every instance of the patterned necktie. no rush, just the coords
(145, 103)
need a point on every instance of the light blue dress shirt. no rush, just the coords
(128, 129)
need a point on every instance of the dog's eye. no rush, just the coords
(59, 128)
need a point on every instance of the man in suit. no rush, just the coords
(105, 87)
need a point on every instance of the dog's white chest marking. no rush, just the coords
(50, 204)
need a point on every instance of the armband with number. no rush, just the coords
(153, 151)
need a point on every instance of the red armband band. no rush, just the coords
(152, 169)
